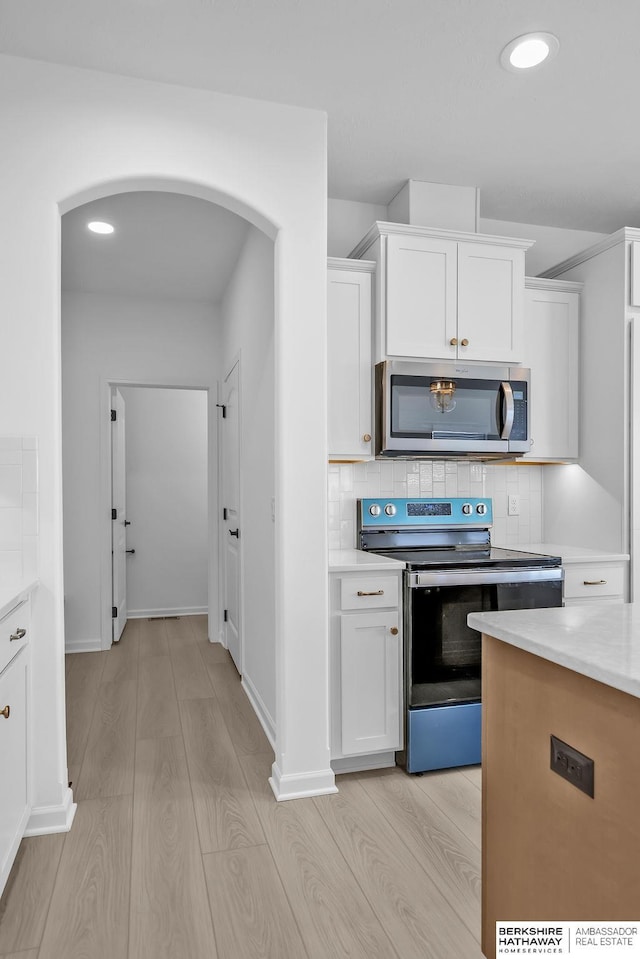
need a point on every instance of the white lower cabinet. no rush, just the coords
(594, 582)
(14, 792)
(15, 799)
(366, 669)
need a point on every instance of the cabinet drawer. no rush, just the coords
(593, 582)
(368, 592)
(14, 632)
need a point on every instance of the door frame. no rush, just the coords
(213, 493)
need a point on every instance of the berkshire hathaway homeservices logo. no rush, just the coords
(586, 940)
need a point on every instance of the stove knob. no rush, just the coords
(481, 509)
(390, 509)
(375, 510)
(467, 509)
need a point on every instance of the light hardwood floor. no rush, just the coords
(179, 850)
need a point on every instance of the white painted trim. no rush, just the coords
(626, 233)
(45, 820)
(556, 286)
(345, 264)
(261, 711)
(380, 228)
(83, 646)
(158, 613)
(318, 782)
(355, 764)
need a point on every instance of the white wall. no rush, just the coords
(166, 471)
(137, 341)
(348, 221)
(248, 332)
(70, 136)
(552, 244)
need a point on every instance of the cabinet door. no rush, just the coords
(490, 302)
(551, 351)
(370, 656)
(13, 753)
(349, 364)
(421, 302)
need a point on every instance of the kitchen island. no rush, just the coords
(551, 851)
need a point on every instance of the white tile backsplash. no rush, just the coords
(437, 478)
(18, 509)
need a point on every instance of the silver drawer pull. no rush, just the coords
(19, 634)
(376, 592)
(594, 582)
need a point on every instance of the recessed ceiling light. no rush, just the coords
(529, 50)
(99, 226)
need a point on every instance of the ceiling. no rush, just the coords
(164, 245)
(412, 88)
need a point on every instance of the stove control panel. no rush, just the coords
(439, 513)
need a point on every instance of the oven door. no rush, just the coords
(443, 653)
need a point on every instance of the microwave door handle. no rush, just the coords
(508, 410)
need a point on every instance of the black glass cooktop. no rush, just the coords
(462, 558)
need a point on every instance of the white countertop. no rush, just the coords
(349, 560)
(10, 596)
(599, 640)
(569, 554)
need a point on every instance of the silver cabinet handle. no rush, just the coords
(594, 582)
(19, 634)
(377, 592)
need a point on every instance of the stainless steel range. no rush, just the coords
(451, 570)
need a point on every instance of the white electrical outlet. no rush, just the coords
(513, 504)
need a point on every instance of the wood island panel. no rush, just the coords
(549, 851)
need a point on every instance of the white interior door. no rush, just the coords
(118, 514)
(231, 532)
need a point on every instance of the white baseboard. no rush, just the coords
(319, 782)
(356, 764)
(50, 819)
(177, 611)
(261, 711)
(83, 645)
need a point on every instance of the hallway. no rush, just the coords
(179, 850)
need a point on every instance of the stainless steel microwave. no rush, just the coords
(451, 410)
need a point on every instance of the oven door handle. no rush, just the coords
(508, 409)
(476, 577)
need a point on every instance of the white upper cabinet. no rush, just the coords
(552, 338)
(422, 293)
(490, 302)
(349, 318)
(446, 295)
(552, 350)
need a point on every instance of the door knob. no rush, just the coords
(130, 551)
(453, 341)
(464, 343)
(234, 532)
(394, 630)
(127, 522)
(367, 437)
(6, 712)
